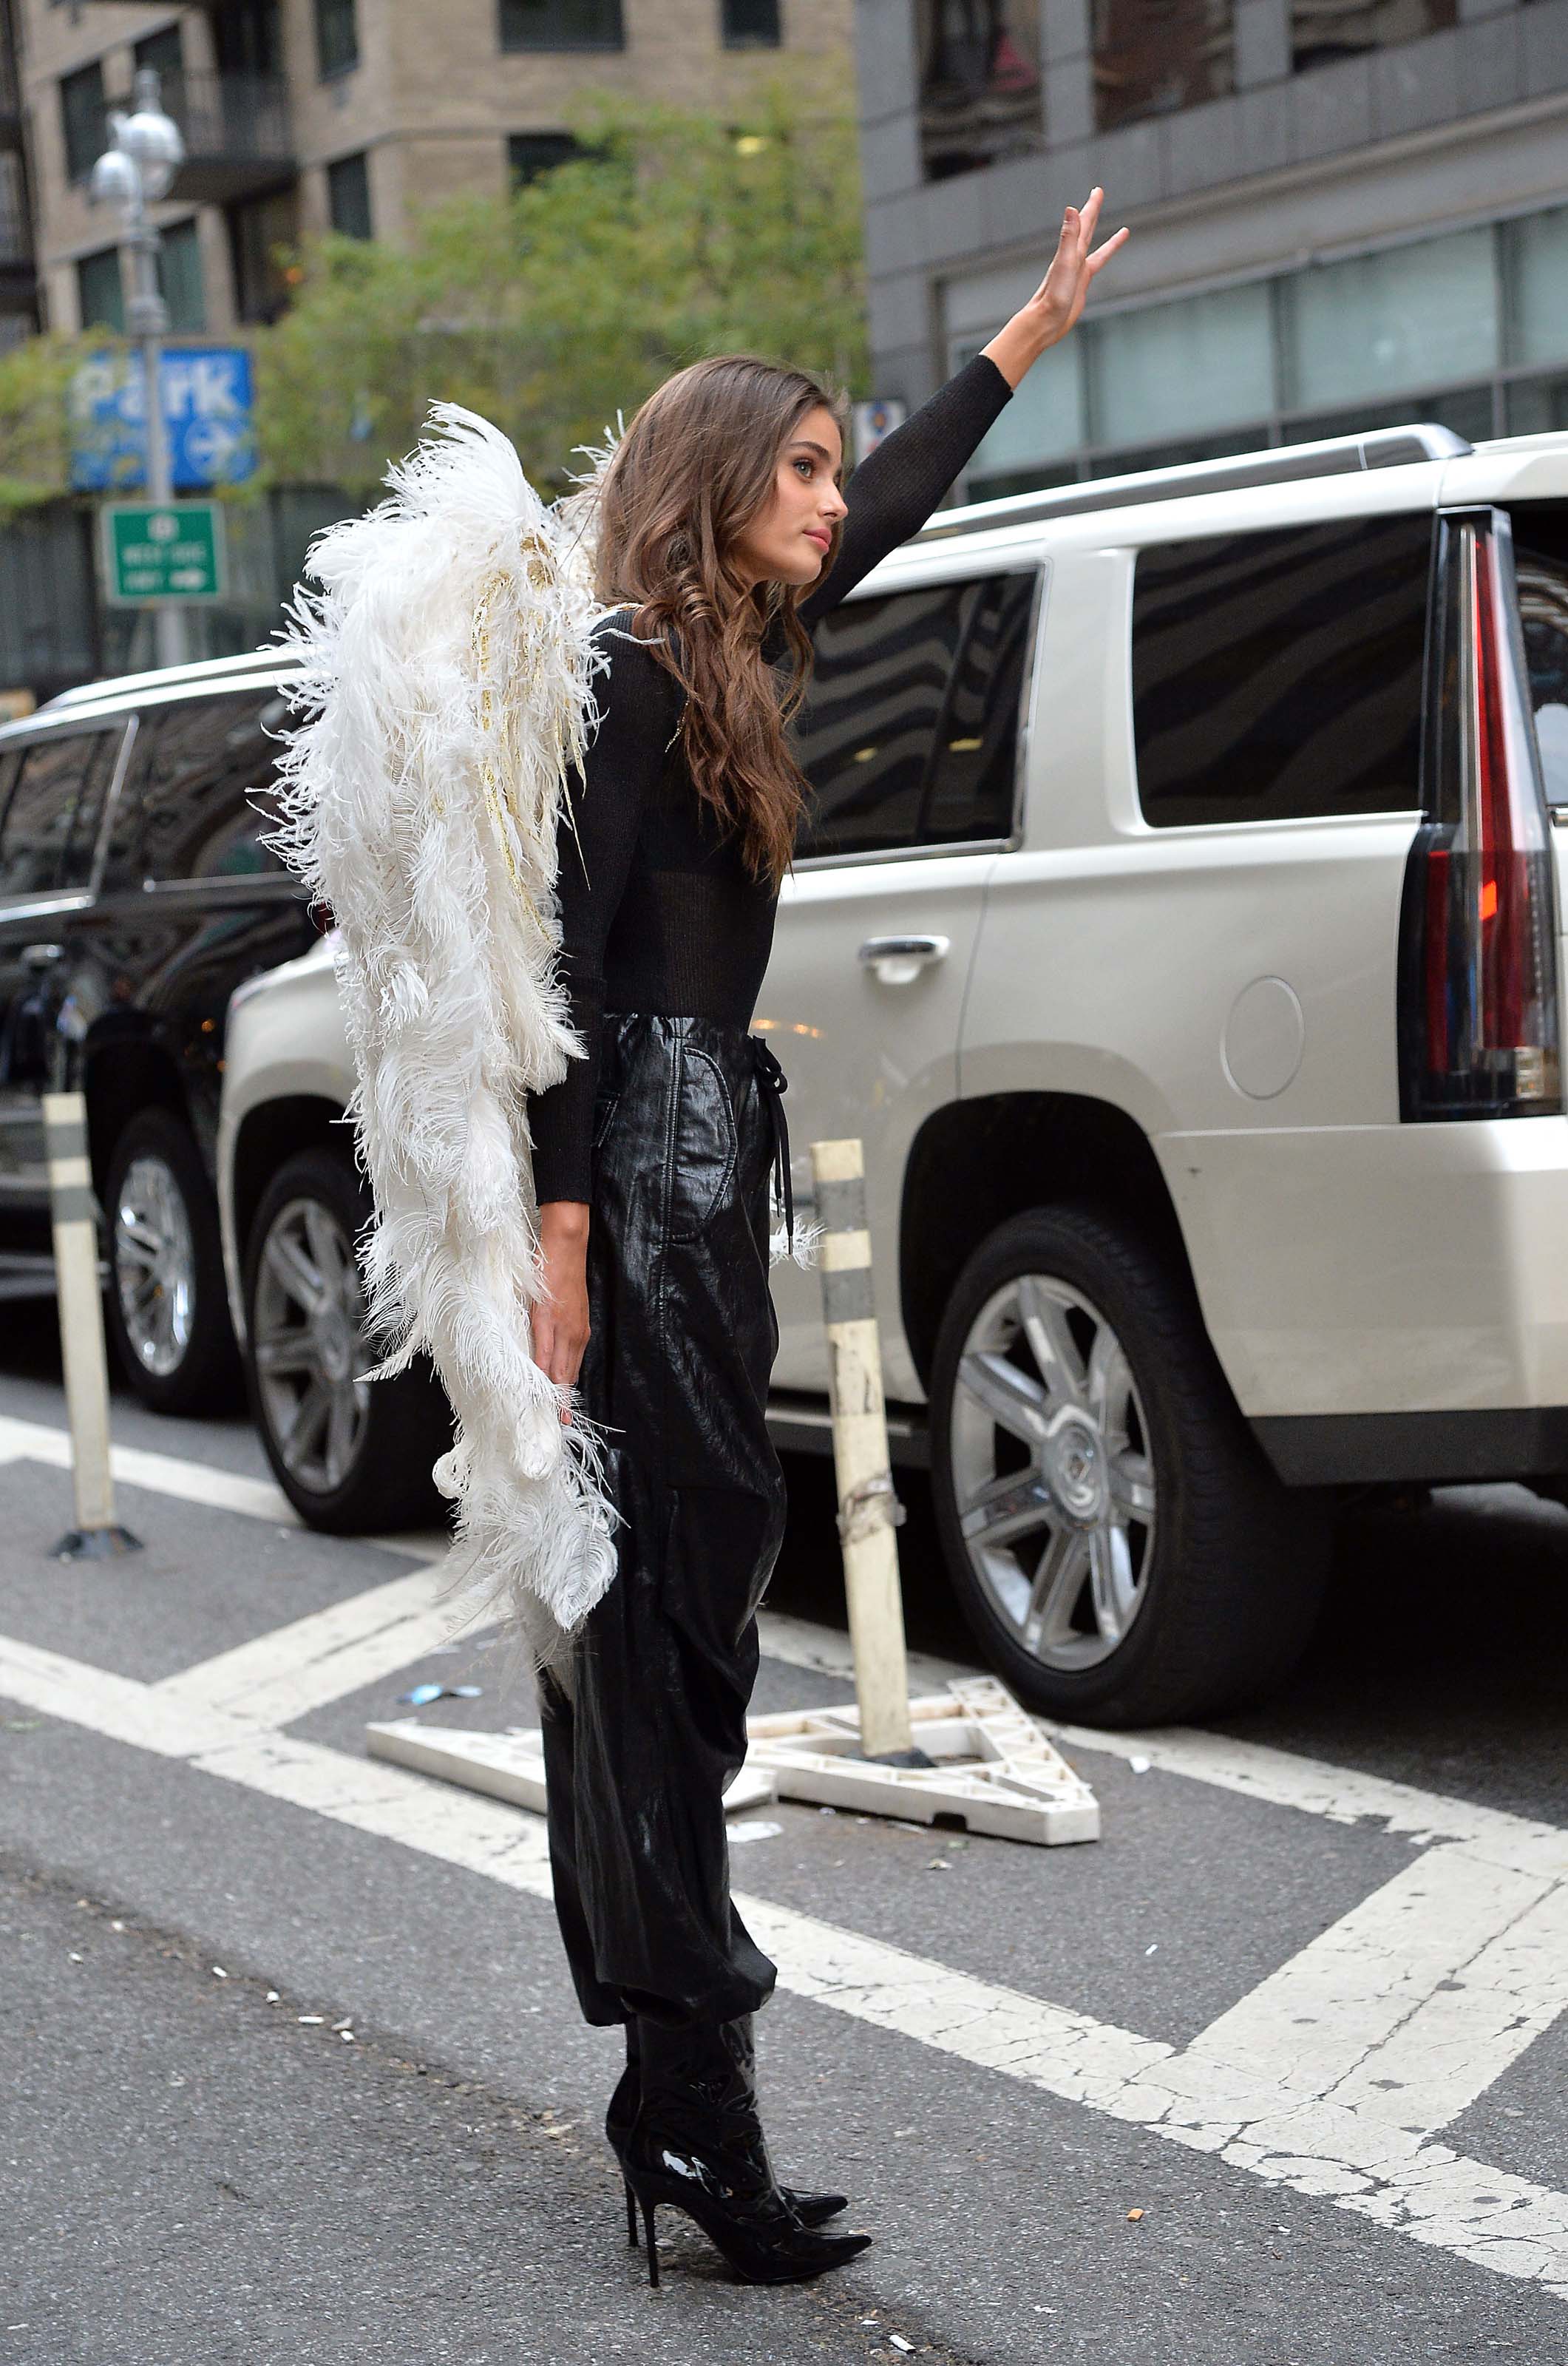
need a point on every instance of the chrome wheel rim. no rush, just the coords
(1052, 1474)
(154, 1265)
(307, 1343)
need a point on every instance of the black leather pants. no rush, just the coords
(646, 1722)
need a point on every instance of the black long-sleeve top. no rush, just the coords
(659, 909)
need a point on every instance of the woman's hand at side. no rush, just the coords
(1057, 303)
(560, 1320)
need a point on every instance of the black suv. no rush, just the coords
(135, 895)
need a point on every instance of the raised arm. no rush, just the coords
(894, 490)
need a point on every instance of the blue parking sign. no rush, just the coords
(209, 417)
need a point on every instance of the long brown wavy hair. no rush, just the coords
(696, 467)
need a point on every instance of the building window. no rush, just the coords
(100, 293)
(531, 155)
(1535, 273)
(163, 51)
(561, 25)
(337, 37)
(750, 24)
(1412, 316)
(15, 229)
(1151, 56)
(179, 276)
(261, 232)
(1168, 370)
(348, 196)
(248, 37)
(84, 119)
(980, 87)
(1324, 30)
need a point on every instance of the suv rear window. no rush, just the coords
(909, 735)
(1278, 675)
(48, 824)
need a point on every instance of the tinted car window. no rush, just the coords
(910, 733)
(188, 810)
(1543, 611)
(51, 814)
(1276, 675)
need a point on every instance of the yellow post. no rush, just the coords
(868, 1509)
(75, 1215)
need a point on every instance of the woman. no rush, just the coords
(725, 536)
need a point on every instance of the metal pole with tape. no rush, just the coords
(98, 1535)
(869, 1511)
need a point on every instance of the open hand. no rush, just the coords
(560, 1317)
(1057, 303)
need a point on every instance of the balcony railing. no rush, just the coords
(237, 133)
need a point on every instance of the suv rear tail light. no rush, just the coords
(1478, 1025)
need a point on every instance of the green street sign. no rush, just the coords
(171, 550)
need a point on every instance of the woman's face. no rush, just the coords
(788, 541)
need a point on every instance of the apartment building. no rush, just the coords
(298, 115)
(18, 278)
(1346, 213)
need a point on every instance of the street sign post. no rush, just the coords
(162, 551)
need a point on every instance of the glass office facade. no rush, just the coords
(1469, 330)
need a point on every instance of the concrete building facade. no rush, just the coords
(1345, 213)
(299, 115)
(19, 276)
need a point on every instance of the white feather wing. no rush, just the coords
(446, 689)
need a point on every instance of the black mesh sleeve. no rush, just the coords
(893, 492)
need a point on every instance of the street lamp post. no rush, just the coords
(135, 170)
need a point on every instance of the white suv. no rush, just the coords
(1181, 933)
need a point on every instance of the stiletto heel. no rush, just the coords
(698, 2144)
(631, 2219)
(647, 2228)
(811, 2209)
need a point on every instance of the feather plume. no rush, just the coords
(445, 690)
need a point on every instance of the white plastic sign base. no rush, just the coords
(509, 1766)
(995, 1772)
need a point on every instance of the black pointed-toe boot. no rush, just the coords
(696, 2143)
(811, 2209)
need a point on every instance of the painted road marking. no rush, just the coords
(1341, 1793)
(287, 1673)
(190, 1482)
(1292, 2084)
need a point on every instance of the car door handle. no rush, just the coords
(41, 956)
(898, 961)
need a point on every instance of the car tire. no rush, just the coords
(1121, 1551)
(352, 1456)
(168, 1314)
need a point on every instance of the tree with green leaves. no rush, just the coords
(35, 425)
(671, 236)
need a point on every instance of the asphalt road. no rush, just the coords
(198, 2168)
